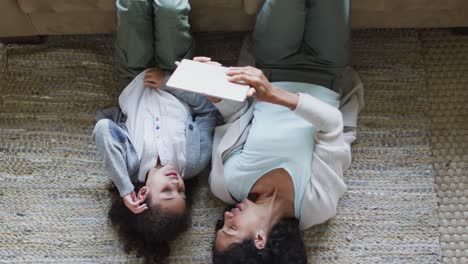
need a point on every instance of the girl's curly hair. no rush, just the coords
(147, 234)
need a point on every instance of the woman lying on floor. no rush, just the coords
(161, 137)
(281, 159)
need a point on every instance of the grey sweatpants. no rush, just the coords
(151, 33)
(303, 41)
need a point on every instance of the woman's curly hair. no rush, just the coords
(147, 234)
(284, 245)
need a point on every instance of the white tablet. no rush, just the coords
(207, 79)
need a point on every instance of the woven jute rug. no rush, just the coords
(389, 214)
(53, 198)
(446, 63)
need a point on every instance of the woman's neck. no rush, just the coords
(275, 191)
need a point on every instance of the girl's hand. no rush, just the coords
(206, 60)
(202, 59)
(154, 77)
(133, 204)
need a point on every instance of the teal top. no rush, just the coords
(278, 138)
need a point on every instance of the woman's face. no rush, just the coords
(166, 189)
(244, 221)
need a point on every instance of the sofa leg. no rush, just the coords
(23, 40)
(460, 31)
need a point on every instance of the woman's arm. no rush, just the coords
(323, 116)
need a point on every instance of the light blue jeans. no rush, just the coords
(120, 158)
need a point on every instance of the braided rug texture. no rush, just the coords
(53, 197)
(446, 63)
(389, 214)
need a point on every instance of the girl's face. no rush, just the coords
(166, 189)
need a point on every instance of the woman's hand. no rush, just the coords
(154, 77)
(133, 204)
(262, 89)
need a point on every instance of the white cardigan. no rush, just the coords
(332, 155)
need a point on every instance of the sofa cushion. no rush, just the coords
(65, 16)
(72, 23)
(420, 5)
(251, 7)
(13, 22)
(62, 6)
(408, 13)
(59, 6)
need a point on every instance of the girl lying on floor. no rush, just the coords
(159, 138)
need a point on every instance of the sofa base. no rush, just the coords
(23, 40)
(460, 31)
